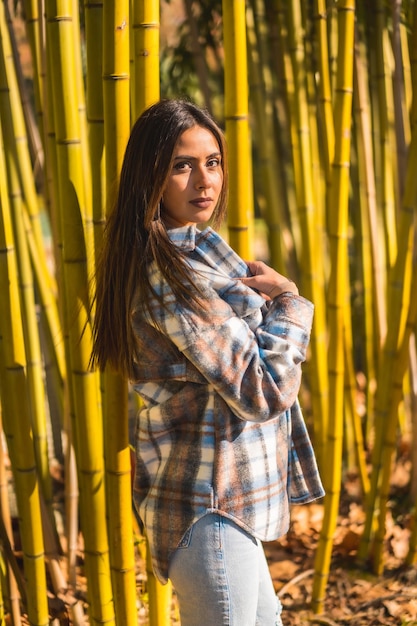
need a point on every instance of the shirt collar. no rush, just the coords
(185, 237)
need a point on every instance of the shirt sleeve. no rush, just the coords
(256, 372)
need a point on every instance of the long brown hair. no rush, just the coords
(134, 236)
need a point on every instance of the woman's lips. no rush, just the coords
(201, 203)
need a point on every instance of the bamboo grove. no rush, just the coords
(319, 104)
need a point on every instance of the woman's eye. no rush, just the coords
(213, 162)
(182, 165)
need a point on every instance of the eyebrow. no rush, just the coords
(181, 157)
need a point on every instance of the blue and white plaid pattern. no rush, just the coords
(221, 428)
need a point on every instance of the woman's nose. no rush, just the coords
(202, 180)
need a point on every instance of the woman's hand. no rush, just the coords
(267, 281)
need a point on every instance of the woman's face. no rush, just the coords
(196, 179)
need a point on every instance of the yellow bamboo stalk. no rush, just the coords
(373, 275)
(20, 138)
(146, 91)
(118, 471)
(289, 121)
(355, 448)
(34, 139)
(93, 11)
(20, 129)
(312, 255)
(36, 18)
(32, 341)
(389, 441)
(324, 87)
(240, 207)
(51, 197)
(413, 410)
(413, 63)
(146, 54)
(396, 325)
(18, 431)
(87, 212)
(14, 131)
(268, 161)
(2, 605)
(412, 551)
(199, 55)
(71, 495)
(401, 97)
(12, 593)
(84, 397)
(338, 226)
(386, 123)
(56, 574)
(34, 31)
(318, 172)
(159, 596)
(283, 95)
(27, 181)
(400, 296)
(49, 311)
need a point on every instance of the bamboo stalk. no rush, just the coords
(146, 54)
(240, 207)
(312, 257)
(282, 95)
(413, 64)
(18, 431)
(386, 123)
(19, 129)
(412, 551)
(268, 163)
(400, 101)
(373, 275)
(36, 17)
(356, 449)
(12, 595)
(400, 364)
(93, 11)
(399, 297)
(87, 212)
(339, 197)
(33, 135)
(53, 559)
(395, 352)
(84, 396)
(199, 57)
(33, 20)
(115, 395)
(324, 87)
(14, 134)
(50, 314)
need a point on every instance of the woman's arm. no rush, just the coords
(257, 373)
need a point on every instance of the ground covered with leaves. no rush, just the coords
(354, 595)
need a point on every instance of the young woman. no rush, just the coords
(213, 345)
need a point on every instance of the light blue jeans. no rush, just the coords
(221, 577)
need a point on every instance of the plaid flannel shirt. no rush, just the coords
(221, 429)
